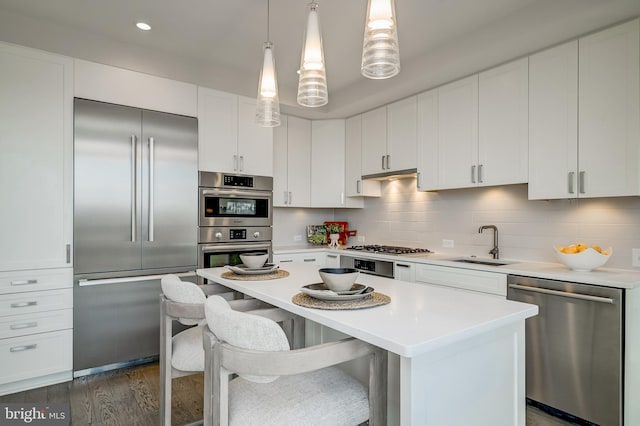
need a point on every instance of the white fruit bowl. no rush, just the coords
(338, 279)
(254, 260)
(585, 260)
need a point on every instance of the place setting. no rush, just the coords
(254, 267)
(338, 290)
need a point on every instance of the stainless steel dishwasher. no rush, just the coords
(574, 352)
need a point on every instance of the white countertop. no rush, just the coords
(419, 318)
(608, 277)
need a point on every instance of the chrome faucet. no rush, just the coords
(495, 251)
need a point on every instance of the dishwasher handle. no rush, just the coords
(563, 294)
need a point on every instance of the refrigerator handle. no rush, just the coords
(133, 188)
(151, 185)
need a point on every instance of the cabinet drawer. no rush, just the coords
(42, 322)
(35, 280)
(34, 356)
(25, 303)
(465, 279)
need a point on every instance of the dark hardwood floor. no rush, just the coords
(129, 397)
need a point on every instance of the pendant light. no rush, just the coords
(268, 105)
(312, 83)
(380, 52)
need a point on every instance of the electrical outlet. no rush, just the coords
(447, 243)
(360, 239)
(635, 257)
(297, 238)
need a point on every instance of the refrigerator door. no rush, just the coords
(107, 183)
(170, 190)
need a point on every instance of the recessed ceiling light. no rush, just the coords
(143, 26)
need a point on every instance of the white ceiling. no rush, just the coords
(219, 43)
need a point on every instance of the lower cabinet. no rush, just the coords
(36, 328)
(490, 283)
(314, 258)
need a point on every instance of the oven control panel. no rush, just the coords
(235, 180)
(238, 234)
(226, 234)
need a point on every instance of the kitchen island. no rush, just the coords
(461, 354)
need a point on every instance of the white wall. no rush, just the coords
(291, 222)
(528, 229)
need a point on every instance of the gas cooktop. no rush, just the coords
(389, 249)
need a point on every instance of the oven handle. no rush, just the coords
(236, 193)
(227, 247)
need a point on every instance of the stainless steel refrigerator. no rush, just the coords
(135, 219)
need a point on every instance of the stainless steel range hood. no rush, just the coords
(392, 175)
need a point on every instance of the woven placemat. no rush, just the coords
(374, 299)
(279, 273)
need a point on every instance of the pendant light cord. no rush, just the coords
(268, 21)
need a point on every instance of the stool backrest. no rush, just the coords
(183, 292)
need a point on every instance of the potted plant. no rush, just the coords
(334, 234)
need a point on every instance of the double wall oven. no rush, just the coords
(235, 217)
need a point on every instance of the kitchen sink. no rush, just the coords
(488, 262)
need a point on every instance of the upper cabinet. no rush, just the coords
(585, 117)
(473, 132)
(125, 87)
(328, 163)
(389, 138)
(355, 186)
(503, 124)
(292, 163)
(228, 138)
(36, 106)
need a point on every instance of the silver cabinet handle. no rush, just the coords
(235, 162)
(480, 180)
(22, 348)
(563, 294)
(86, 283)
(581, 182)
(133, 188)
(68, 252)
(342, 198)
(286, 197)
(332, 256)
(151, 185)
(383, 163)
(358, 186)
(310, 260)
(24, 282)
(570, 177)
(418, 179)
(289, 197)
(23, 325)
(388, 162)
(241, 162)
(473, 174)
(23, 304)
(286, 261)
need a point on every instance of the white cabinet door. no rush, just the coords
(280, 168)
(374, 141)
(402, 134)
(255, 143)
(36, 164)
(609, 112)
(217, 131)
(299, 162)
(553, 122)
(427, 147)
(327, 170)
(503, 124)
(458, 133)
(355, 186)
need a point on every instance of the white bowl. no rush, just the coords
(585, 260)
(254, 260)
(338, 279)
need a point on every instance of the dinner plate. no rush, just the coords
(322, 292)
(244, 270)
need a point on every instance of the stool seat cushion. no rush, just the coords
(188, 353)
(322, 397)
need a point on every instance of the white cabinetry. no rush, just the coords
(503, 124)
(427, 150)
(228, 138)
(312, 257)
(327, 168)
(36, 224)
(389, 138)
(355, 186)
(463, 279)
(609, 112)
(292, 163)
(404, 271)
(585, 117)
